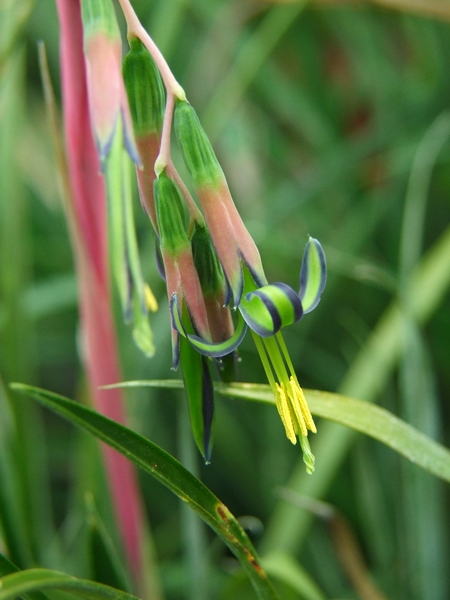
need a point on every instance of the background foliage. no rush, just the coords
(331, 120)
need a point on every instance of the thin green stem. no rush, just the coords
(265, 361)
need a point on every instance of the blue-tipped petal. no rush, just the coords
(129, 142)
(159, 262)
(216, 350)
(175, 350)
(258, 277)
(313, 275)
(271, 307)
(236, 287)
(175, 315)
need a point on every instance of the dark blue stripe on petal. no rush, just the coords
(176, 352)
(293, 297)
(275, 315)
(159, 262)
(175, 315)
(237, 294)
(304, 275)
(228, 294)
(256, 278)
(129, 143)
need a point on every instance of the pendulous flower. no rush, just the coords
(265, 308)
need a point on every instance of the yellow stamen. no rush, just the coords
(301, 407)
(150, 300)
(284, 410)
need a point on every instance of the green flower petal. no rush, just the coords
(313, 275)
(218, 349)
(271, 307)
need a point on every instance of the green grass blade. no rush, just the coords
(7, 568)
(365, 379)
(421, 496)
(251, 57)
(33, 580)
(283, 566)
(169, 472)
(358, 415)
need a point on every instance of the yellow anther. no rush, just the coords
(303, 405)
(150, 300)
(284, 411)
(297, 406)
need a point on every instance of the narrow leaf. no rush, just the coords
(359, 415)
(32, 580)
(168, 471)
(7, 568)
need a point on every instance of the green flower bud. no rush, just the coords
(145, 90)
(170, 215)
(196, 147)
(207, 263)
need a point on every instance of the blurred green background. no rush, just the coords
(331, 120)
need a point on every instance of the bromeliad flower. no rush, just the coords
(227, 271)
(266, 310)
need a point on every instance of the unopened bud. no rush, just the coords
(196, 147)
(207, 263)
(146, 98)
(145, 90)
(170, 215)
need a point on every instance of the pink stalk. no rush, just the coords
(89, 237)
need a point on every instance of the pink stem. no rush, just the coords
(135, 29)
(88, 200)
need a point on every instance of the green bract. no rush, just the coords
(170, 213)
(145, 90)
(206, 262)
(196, 147)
